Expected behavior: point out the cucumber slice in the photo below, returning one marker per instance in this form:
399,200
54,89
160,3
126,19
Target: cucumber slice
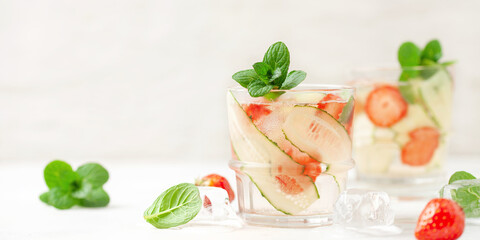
416,117
267,165
436,92
318,134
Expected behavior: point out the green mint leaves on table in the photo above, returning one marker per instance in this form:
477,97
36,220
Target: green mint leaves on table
176,206
271,73
68,188
468,197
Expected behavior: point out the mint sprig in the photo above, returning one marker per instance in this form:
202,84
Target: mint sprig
411,56
68,188
176,206
468,196
271,73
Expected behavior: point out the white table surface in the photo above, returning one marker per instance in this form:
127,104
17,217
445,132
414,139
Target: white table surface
134,185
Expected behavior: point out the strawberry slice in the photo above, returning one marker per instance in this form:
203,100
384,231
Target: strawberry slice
215,180
256,111
288,184
312,166
421,147
330,104
385,106
442,219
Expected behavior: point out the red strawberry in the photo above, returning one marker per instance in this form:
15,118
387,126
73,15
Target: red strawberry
256,111
442,219
312,166
421,147
385,106
288,184
215,180
329,104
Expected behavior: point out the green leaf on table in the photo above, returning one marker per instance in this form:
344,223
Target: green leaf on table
59,198
278,56
432,51
59,174
69,188
93,173
293,79
460,175
176,206
347,111
95,198
258,88
245,77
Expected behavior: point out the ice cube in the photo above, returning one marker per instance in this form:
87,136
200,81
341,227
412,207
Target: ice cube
465,193
365,211
216,209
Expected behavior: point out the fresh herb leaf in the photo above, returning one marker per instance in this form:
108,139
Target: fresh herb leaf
460,175
258,88
293,79
446,64
270,74
95,198
278,56
347,111
409,55
69,188
94,174
59,174
432,51
58,198
245,77
176,206
263,70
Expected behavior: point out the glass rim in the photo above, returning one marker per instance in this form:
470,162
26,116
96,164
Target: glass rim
305,88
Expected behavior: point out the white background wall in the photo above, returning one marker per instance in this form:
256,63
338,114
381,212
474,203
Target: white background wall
116,79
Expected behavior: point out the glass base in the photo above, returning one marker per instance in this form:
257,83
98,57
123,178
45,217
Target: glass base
413,186
288,221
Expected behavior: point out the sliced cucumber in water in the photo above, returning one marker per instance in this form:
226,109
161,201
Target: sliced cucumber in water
318,134
276,175
436,93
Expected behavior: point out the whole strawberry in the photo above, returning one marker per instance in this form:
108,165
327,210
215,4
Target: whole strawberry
215,180
442,219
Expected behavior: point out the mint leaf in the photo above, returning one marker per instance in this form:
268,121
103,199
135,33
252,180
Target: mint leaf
95,198
58,198
59,174
245,77
347,111
432,51
460,175
263,70
277,56
446,64
409,55
69,188
258,88
293,79
93,173
176,206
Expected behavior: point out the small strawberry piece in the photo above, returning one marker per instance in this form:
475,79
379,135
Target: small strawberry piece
421,147
442,219
256,111
206,202
215,180
288,184
330,104
385,106
312,166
